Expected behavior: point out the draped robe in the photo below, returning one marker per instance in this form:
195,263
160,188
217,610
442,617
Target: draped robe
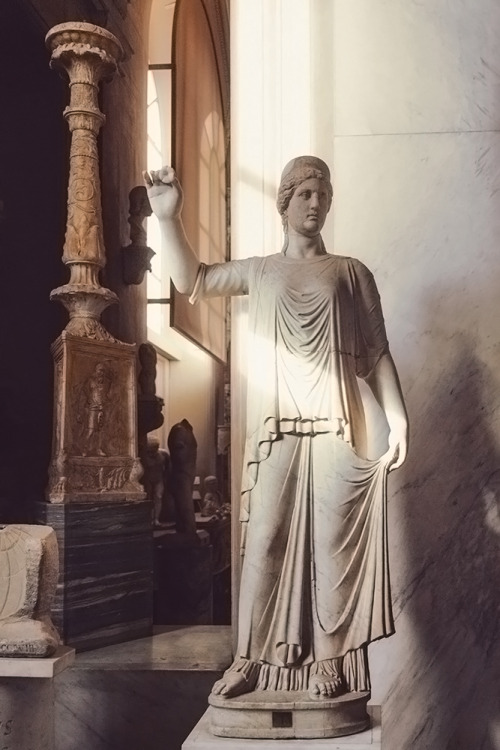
315,581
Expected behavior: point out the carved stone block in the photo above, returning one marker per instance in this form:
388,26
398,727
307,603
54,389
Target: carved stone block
28,576
94,453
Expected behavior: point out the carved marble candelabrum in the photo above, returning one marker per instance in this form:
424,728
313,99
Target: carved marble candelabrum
94,499
88,54
95,425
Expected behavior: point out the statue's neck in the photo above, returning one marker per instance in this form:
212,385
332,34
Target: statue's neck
300,246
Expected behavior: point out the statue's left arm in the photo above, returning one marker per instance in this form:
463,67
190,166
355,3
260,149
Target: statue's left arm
375,363
385,386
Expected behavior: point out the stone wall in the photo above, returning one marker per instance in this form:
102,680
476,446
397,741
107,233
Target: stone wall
417,177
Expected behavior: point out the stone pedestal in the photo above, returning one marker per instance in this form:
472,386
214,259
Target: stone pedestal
146,694
105,589
281,714
27,700
201,738
94,457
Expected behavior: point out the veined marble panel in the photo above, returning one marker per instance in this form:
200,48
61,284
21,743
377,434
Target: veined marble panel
105,589
146,694
129,710
423,212
416,66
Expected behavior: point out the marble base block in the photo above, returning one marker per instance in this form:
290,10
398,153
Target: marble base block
27,700
201,738
280,714
105,589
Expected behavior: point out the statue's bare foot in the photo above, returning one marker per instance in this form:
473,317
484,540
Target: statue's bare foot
323,686
232,684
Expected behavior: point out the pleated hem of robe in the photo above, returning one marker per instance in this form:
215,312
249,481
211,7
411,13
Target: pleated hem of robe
352,668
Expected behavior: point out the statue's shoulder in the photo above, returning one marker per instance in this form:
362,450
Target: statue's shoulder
354,265
261,261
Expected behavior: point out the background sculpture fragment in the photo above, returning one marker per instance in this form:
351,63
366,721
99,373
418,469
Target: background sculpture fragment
182,447
136,257
28,577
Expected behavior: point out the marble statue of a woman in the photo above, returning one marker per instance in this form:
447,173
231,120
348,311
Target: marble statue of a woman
315,586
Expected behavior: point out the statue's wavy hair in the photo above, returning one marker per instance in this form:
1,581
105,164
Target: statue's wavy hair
287,188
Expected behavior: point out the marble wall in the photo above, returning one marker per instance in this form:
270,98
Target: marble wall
417,177
148,693
404,102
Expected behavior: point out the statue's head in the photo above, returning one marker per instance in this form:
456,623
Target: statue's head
153,444
299,170
210,483
304,173
139,204
100,372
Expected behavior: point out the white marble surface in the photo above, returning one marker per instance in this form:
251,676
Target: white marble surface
415,66
45,667
423,212
27,704
173,648
202,739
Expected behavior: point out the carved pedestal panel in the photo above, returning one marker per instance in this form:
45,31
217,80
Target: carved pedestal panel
94,447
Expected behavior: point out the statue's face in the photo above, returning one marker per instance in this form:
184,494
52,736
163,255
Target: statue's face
308,208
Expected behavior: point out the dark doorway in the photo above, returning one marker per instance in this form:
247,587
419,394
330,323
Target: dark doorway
33,142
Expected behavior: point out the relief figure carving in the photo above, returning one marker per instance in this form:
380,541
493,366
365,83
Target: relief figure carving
94,409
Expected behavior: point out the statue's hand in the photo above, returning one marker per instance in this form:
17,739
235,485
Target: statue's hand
395,456
164,193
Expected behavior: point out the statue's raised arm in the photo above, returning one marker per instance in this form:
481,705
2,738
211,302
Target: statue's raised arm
166,198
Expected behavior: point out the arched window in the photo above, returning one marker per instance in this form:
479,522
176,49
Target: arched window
188,124
200,152
159,127
188,106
